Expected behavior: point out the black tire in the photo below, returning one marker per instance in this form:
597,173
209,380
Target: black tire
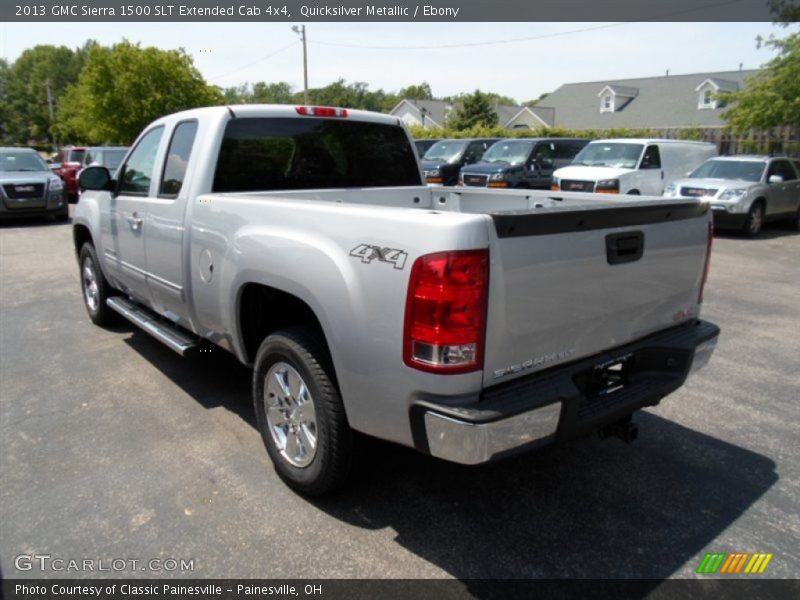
634,193
754,222
331,461
795,224
99,313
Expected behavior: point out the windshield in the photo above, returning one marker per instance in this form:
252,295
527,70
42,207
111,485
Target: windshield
76,155
512,152
447,151
602,154
21,161
744,170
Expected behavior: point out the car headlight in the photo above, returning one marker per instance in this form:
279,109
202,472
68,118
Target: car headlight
671,190
56,185
607,186
497,176
733,194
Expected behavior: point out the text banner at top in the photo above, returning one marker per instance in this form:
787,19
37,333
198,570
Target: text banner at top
391,11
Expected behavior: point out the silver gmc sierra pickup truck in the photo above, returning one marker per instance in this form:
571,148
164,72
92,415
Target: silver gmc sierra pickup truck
467,323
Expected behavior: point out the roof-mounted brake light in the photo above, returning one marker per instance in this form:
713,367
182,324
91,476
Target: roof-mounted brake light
321,111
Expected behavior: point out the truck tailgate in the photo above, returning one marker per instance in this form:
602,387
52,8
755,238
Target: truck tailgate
566,284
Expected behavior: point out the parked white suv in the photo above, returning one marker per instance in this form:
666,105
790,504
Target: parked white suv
745,191
631,166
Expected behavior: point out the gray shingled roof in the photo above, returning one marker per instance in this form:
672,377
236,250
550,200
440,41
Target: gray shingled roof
662,102
436,110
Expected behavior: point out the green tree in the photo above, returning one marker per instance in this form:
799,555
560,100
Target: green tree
475,109
785,11
123,88
272,93
771,98
340,93
493,97
421,91
4,114
27,82
536,101
259,93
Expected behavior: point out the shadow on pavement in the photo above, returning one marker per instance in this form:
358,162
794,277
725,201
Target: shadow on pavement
586,509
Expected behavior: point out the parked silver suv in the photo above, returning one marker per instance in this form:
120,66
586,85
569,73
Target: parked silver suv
746,191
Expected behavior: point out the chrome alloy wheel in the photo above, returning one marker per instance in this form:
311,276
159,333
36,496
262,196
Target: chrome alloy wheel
291,415
91,291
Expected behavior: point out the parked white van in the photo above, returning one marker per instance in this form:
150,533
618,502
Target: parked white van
631,166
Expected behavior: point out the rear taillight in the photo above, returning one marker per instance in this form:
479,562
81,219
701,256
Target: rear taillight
321,111
708,261
446,312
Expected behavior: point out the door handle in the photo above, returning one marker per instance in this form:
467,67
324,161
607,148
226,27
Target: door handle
134,221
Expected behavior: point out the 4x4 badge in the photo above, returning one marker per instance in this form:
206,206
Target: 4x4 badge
367,253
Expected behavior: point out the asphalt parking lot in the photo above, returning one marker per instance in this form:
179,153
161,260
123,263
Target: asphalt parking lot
112,446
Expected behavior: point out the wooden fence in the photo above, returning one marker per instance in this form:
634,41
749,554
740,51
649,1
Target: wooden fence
779,140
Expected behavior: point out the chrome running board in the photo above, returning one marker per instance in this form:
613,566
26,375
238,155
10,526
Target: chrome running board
170,336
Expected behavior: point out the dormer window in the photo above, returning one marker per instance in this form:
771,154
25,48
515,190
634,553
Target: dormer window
613,98
708,89
706,99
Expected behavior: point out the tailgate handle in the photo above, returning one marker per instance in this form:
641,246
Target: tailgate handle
624,247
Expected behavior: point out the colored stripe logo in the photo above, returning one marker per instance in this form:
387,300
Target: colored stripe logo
734,563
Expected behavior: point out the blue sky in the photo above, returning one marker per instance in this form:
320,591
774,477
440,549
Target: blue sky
232,53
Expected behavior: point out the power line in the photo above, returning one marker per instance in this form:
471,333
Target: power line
250,64
472,44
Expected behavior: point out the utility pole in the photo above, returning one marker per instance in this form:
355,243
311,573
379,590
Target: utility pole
301,31
50,107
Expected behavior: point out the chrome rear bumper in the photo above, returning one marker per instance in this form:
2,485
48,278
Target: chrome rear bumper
475,443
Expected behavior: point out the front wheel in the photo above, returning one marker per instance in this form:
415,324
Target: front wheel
96,290
754,221
300,413
796,221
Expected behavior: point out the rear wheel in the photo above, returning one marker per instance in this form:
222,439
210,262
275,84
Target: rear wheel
754,221
300,413
96,290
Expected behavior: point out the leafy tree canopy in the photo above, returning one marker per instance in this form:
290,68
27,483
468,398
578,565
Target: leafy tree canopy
25,88
123,88
475,109
772,97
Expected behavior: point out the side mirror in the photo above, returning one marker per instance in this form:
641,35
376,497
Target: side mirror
95,178
775,179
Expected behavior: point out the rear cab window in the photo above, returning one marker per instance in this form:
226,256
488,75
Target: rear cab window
271,153
177,159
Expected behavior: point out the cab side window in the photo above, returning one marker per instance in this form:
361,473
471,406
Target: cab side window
474,152
544,153
138,171
782,168
178,153
651,158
